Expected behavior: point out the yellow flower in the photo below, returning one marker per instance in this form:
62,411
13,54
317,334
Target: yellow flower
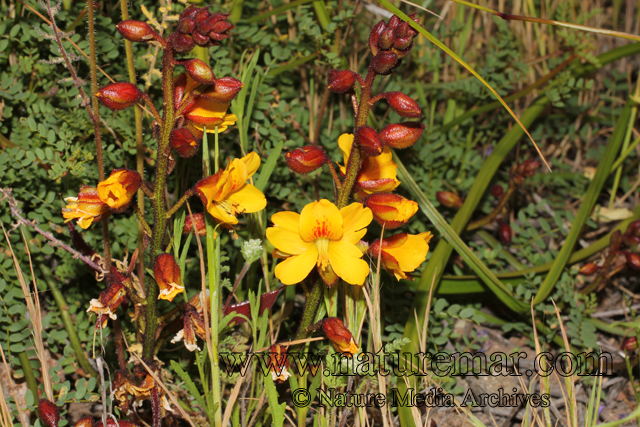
203,112
401,253
226,193
86,208
118,190
324,236
378,174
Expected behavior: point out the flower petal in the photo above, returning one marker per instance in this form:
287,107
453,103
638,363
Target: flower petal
220,214
248,199
295,269
345,142
345,259
355,219
411,254
320,219
287,220
379,167
287,241
252,162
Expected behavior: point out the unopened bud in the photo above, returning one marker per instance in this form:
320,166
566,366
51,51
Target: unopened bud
339,336
199,71
135,31
189,13
223,90
48,413
505,233
497,191
84,422
200,39
403,105
118,96
386,39
403,43
200,224
183,141
385,62
589,269
633,260
369,141
374,37
528,168
340,81
394,21
634,228
390,210
187,26
449,199
306,159
183,43
631,240
630,344
401,135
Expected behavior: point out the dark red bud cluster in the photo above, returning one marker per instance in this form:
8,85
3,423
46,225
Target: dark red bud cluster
505,233
341,81
118,96
369,141
198,26
306,159
395,36
524,170
385,62
449,199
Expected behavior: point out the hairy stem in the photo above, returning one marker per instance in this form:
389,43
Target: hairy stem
190,192
310,308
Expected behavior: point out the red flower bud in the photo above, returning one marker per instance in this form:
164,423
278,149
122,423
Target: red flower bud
183,43
634,228
374,36
113,423
199,220
189,13
528,168
497,191
369,141
394,21
403,43
449,199
403,105
505,233
390,210
187,26
386,39
401,135
633,260
340,81
84,422
339,336
118,96
48,413
223,90
200,39
630,344
306,159
202,15
135,31
588,269
631,240
183,141
385,62
199,71
220,26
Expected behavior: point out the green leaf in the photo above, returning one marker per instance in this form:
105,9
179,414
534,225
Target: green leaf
193,390
269,166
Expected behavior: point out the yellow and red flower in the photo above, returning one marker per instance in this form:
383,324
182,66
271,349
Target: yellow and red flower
200,111
377,174
86,208
118,190
402,253
193,323
226,194
340,337
391,210
278,363
167,274
107,304
323,236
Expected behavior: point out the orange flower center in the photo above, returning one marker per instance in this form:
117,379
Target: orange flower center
322,244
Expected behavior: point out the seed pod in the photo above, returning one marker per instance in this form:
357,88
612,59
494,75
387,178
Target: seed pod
374,36
505,233
630,344
385,62
340,81
135,31
633,260
199,71
449,199
306,159
183,43
589,269
118,96
497,191
223,90
183,141
401,135
369,141
48,413
200,223
403,105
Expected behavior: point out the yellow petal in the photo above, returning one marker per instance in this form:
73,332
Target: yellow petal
345,261
206,112
345,142
248,199
287,241
355,219
411,254
252,162
220,214
379,167
287,220
320,219
295,269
